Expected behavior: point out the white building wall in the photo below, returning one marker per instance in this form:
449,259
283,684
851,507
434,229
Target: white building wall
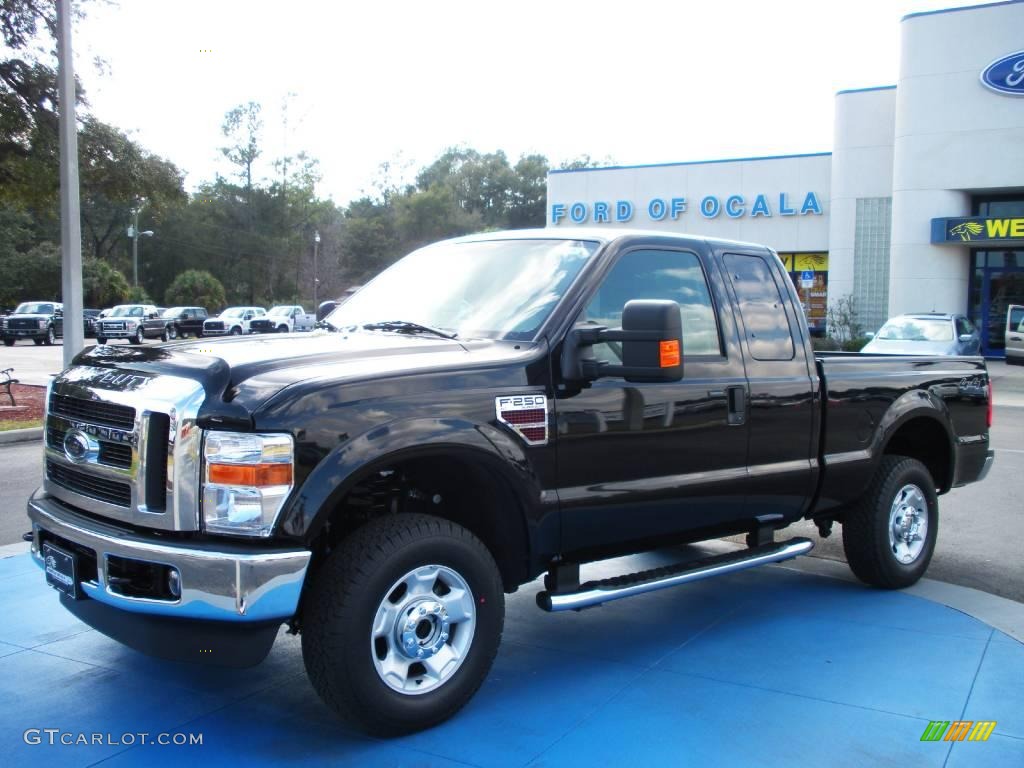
952,136
862,157
793,176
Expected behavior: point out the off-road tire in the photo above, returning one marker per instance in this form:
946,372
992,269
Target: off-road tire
866,526
339,609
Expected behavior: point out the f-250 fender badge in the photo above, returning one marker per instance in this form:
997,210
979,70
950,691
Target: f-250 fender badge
526,415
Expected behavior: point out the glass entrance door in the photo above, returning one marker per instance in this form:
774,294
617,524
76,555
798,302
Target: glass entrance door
1002,288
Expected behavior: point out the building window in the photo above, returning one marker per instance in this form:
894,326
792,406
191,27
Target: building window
871,261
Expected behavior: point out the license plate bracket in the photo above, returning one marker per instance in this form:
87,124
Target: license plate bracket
61,568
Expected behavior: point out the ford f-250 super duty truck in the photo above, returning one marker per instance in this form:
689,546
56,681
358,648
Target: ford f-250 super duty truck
487,410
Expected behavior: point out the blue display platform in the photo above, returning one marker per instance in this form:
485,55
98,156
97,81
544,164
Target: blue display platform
770,667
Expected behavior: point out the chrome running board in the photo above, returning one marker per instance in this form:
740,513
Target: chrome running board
618,587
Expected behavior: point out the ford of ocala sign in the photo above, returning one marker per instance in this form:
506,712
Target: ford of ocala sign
661,208
1005,75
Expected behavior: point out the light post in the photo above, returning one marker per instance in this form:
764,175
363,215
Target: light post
316,278
134,234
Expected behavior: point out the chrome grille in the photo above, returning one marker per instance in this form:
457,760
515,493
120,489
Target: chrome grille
110,491
140,463
93,411
112,454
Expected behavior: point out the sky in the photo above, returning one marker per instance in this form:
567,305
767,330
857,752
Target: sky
398,82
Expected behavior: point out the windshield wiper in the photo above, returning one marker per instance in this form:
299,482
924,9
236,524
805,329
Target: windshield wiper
404,326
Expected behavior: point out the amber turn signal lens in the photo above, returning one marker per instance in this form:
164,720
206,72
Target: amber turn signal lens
251,475
668,353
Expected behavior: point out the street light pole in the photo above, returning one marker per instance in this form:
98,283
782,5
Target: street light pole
70,221
316,273
134,234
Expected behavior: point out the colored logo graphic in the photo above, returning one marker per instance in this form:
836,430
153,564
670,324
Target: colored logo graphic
958,730
1005,75
966,230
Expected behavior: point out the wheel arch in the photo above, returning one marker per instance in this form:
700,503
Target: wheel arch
924,434
480,488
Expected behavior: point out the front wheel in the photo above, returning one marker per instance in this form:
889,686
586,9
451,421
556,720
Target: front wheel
402,622
51,337
170,332
8,342
282,329
101,340
236,331
889,537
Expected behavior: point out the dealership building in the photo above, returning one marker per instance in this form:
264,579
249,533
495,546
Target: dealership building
918,207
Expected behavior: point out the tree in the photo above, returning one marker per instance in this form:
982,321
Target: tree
196,287
30,275
102,285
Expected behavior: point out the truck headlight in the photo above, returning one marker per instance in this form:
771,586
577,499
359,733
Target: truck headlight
247,477
42,325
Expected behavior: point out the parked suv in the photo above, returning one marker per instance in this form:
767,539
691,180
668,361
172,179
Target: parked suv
233,321
284,318
134,322
41,321
184,321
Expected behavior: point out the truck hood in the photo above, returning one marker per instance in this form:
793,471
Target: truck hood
27,317
242,372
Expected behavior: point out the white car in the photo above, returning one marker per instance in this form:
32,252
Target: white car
284,318
1015,334
233,321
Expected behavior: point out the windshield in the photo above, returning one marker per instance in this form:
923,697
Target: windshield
916,329
280,311
126,311
233,312
502,289
34,308
173,311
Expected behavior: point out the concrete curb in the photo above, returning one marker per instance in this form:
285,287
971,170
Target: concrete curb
21,435
1002,613
13,550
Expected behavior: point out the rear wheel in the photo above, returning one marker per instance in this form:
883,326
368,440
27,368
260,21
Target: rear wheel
402,622
889,537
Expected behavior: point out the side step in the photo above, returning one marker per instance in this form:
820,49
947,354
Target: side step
618,587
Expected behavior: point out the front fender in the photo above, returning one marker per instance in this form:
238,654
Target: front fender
387,444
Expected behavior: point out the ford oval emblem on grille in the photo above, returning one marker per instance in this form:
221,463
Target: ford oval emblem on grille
79,447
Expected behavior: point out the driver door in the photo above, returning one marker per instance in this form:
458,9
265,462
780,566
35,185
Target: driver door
643,461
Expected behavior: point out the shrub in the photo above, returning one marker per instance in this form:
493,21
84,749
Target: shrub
196,287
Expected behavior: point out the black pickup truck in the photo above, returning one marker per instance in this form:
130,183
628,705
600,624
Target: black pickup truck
41,321
487,410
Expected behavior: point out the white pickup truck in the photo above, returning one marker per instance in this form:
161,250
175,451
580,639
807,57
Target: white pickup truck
284,318
232,321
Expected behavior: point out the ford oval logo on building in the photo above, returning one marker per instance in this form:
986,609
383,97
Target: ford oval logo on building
1005,75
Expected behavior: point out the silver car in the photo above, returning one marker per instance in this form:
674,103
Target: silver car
930,333
1015,335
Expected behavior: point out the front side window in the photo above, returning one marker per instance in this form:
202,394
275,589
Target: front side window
769,336
498,289
652,274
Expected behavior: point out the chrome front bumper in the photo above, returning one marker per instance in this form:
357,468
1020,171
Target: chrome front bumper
219,582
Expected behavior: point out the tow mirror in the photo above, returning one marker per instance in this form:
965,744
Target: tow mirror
652,345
